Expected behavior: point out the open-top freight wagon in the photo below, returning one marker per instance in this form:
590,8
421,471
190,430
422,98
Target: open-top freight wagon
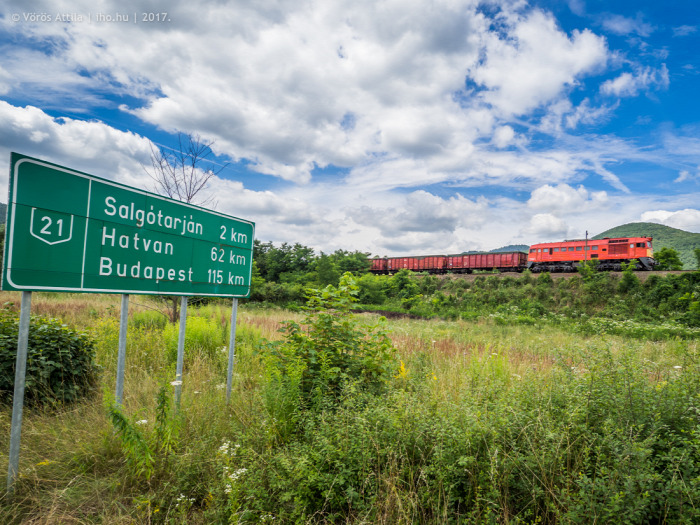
465,263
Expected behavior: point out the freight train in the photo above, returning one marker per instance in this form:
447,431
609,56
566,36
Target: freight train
563,256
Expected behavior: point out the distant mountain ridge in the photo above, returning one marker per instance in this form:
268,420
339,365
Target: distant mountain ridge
664,237
512,248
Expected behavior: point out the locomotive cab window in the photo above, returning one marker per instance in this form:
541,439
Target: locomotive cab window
594,247
640,245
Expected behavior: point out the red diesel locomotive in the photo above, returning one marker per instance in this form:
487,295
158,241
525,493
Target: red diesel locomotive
544,257
610,254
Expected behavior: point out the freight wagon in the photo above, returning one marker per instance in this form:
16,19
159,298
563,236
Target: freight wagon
503,261
465,263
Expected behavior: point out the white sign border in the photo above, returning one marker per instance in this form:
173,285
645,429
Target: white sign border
90,178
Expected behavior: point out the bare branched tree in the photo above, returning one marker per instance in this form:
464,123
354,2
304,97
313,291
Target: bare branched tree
179,174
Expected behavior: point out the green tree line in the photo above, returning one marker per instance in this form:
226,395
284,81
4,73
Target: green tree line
283,274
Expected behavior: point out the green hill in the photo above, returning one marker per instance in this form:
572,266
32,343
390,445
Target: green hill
664,237
512,248
504,249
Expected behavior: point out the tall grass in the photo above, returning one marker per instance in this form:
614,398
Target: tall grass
482,422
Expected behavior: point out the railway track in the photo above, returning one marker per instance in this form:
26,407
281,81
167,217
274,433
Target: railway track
643,276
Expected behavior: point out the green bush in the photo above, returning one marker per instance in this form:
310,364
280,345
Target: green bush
544,279
328,354
372,289
60,361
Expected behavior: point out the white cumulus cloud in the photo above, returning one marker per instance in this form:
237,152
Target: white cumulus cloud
545,226
565,199
543,59
687,219
630,84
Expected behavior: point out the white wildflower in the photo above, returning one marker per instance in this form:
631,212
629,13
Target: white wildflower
142,422
176,383
237,474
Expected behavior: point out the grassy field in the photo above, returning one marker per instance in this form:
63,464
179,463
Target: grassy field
480,422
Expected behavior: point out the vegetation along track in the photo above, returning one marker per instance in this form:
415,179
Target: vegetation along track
556,275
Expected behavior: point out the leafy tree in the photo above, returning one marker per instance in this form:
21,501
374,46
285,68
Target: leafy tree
257,284
667,259
326,271
261,257
696,252
286,263
355,262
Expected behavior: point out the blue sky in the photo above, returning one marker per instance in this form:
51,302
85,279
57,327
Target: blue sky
383,126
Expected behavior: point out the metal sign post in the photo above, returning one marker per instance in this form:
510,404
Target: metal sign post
231,349
121,355
180,352
18,398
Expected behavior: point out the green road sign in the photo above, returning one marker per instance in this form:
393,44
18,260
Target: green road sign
73,232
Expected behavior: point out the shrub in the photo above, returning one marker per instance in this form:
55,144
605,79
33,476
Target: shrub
629,281
329,353
544,279
372,289
60,361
